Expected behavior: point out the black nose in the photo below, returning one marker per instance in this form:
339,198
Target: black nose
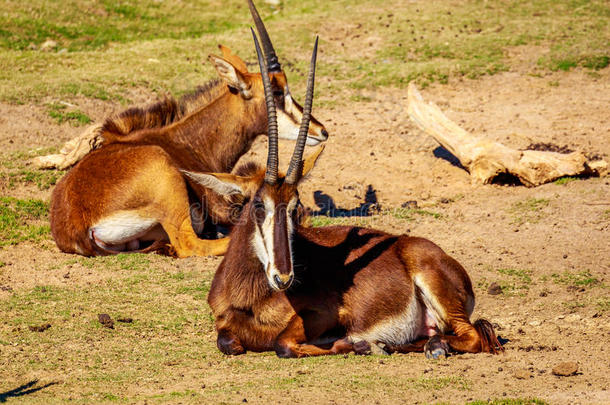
282,285
324,133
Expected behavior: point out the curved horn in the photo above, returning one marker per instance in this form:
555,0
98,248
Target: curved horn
296,163
272,62
272,159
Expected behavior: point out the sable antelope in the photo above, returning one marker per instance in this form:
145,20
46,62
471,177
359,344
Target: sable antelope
130,195
290,289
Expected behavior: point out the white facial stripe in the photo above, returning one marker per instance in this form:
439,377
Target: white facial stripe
288,128
263,239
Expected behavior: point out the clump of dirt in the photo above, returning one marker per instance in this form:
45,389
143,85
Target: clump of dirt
494,289
106,321
565,369
40,328
125,320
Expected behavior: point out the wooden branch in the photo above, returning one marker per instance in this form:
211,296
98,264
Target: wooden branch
73,151
486,159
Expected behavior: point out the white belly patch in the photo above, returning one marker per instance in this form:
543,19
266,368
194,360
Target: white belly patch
399,329
122,227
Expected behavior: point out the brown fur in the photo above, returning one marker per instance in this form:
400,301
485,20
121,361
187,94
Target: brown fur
161,113
138,170
347,282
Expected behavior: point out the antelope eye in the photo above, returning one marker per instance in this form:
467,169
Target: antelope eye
258,205
278,93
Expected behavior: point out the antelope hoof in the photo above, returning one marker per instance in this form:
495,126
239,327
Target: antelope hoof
362,348
284,352
435,348
229,345
379,349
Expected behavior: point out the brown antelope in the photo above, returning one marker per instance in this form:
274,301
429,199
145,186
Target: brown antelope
318,291
130,195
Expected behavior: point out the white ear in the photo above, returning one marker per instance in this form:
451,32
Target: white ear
231,75
221,183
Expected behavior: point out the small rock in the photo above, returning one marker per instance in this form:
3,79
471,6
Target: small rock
494,289
48,45
411,204
565,369
6,288
67,275
40,328
106,321
125,320
535,323
522,374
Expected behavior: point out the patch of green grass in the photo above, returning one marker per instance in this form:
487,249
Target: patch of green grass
410,213
22,220
596,62
323,220
583,278
565,180
60,115
528,210
122,261
78,25
518,283
43,179
573,305
509,401
439,383
17,171
603,304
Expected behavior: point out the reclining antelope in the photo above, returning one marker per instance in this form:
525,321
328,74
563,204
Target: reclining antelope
318,291
130,195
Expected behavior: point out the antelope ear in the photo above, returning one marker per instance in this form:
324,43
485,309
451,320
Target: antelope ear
225,184
310,161
231,74
235,60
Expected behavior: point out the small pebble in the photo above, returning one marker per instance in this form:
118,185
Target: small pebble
494,289
522,374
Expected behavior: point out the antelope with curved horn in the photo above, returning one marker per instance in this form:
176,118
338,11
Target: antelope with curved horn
130,195
319,291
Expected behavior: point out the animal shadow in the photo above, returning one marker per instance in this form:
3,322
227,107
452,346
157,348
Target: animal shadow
327,207
25,389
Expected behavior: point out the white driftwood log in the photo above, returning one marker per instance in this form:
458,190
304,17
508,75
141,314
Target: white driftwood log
485,159
73,150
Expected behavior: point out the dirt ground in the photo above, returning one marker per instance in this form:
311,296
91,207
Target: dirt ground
547,247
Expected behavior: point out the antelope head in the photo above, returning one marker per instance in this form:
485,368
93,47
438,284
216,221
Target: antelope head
270,215
246,85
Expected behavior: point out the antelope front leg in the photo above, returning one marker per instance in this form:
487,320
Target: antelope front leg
291,342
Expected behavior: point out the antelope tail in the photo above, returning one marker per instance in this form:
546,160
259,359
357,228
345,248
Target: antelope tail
489,340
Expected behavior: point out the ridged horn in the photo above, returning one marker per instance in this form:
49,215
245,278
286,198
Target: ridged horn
295,169
273,65
272,159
